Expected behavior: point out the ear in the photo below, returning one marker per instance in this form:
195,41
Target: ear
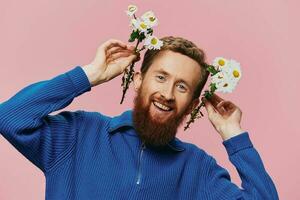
193,105
137,80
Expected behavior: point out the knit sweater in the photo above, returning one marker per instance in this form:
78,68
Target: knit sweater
88,155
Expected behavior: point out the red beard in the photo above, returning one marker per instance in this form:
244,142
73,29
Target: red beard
151,132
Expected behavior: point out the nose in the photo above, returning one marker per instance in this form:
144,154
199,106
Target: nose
167,92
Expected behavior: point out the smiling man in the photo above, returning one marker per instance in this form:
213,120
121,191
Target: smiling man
164,98
135,155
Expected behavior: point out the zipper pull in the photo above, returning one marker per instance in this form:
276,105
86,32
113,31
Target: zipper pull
143,145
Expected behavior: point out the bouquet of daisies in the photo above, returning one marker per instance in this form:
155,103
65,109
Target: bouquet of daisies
225,74
142,30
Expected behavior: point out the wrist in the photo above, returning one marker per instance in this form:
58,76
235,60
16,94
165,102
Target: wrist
93,74
230,131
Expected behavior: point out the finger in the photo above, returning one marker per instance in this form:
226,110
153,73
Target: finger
215,99
221,107
113,42
130,47
228,106
125,55
112,45
209,107
115,49
222,104
120,54
130,59
138,56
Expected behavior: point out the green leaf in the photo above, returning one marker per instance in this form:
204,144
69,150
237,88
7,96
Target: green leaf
142,37
208,94
212,70
133,36
213,87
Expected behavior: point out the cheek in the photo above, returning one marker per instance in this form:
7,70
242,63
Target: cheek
152,84
182,103
147,94
151,89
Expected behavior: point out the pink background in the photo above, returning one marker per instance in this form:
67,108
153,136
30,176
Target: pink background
42,39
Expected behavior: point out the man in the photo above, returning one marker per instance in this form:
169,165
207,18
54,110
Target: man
87,155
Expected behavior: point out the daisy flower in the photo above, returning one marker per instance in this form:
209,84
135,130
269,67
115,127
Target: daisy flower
141,25
134,24
234,70
131,10
150,19
228,76
223,82
221,63
152,42
226,85
219,77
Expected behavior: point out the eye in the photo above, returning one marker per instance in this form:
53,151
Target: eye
160,78
182,87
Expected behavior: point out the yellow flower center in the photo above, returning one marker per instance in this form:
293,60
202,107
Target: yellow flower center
152,19
153,41
221,62
236,73
143,25
131,8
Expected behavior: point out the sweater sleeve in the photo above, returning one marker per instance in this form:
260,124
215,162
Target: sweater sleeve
25,121
256,183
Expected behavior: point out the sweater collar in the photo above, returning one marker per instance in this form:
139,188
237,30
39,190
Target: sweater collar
125,120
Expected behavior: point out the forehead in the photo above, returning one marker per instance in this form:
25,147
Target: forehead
176,65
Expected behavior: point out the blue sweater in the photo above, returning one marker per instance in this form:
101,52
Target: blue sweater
88,155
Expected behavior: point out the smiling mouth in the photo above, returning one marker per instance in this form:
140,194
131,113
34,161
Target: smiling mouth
162,107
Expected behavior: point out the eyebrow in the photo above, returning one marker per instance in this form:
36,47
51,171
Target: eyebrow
167,74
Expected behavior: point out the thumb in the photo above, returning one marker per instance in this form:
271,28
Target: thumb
209,107
132,58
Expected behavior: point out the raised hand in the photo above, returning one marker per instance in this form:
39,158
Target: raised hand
224,115
112,58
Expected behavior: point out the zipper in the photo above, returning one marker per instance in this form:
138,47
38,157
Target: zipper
139,164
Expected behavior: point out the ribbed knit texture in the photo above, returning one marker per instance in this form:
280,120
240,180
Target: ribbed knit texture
88,155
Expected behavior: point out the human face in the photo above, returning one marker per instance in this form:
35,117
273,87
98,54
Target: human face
171,81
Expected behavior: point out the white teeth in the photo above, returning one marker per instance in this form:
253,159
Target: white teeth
162,106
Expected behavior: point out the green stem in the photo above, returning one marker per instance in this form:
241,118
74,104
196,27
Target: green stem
129,76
